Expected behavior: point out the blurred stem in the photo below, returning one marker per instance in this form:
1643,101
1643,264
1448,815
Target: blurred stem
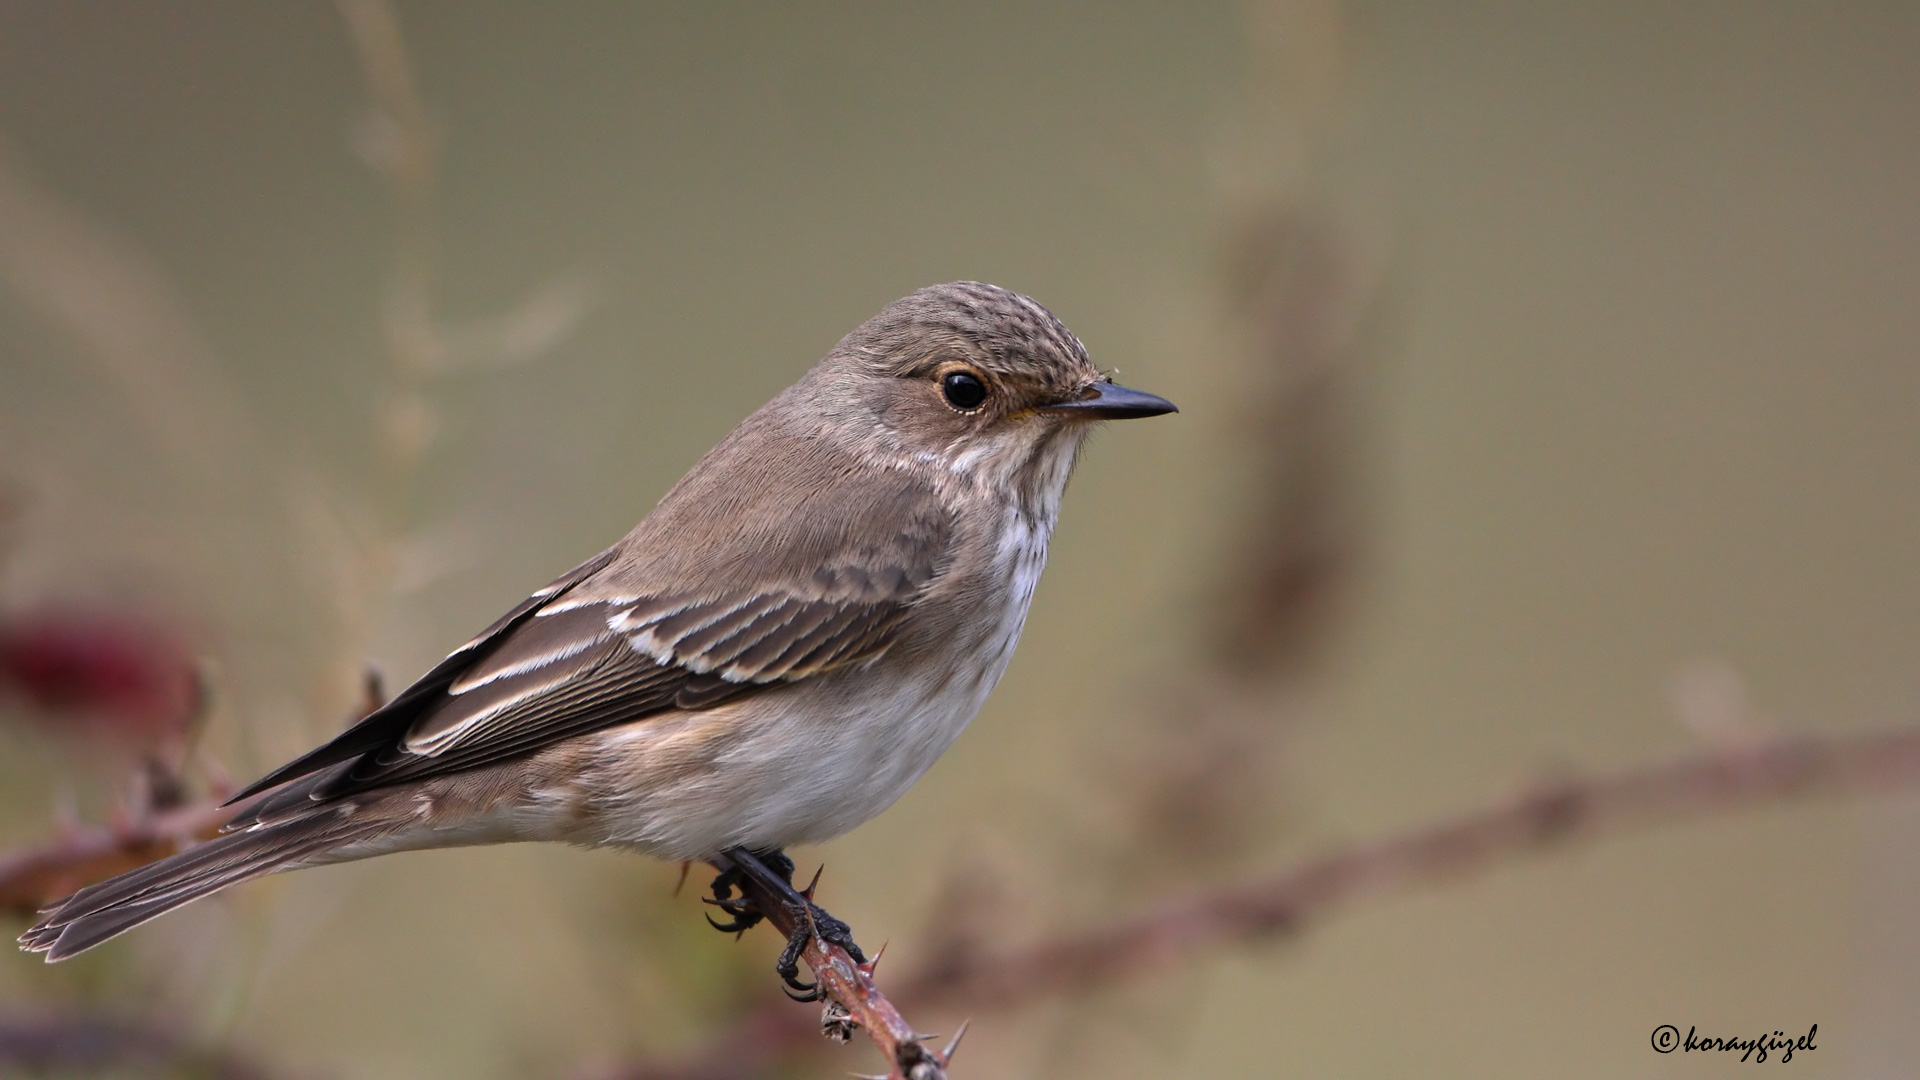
87,1044
399,141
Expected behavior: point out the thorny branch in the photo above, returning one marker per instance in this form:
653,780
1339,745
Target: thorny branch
1541,818
854,1000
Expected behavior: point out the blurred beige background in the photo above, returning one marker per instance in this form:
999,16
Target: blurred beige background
1630,341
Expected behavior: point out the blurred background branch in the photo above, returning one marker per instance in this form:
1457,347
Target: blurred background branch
79,1044
34,877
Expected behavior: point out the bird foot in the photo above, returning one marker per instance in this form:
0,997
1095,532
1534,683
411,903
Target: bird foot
773,872
810,922
745,914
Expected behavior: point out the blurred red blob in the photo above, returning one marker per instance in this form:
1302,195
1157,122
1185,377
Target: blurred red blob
111,673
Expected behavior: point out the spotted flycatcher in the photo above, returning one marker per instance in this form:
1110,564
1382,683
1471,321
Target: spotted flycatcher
783,646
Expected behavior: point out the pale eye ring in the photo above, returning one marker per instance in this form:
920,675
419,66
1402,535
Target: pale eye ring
963,390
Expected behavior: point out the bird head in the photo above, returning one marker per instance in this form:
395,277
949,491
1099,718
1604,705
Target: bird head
979,379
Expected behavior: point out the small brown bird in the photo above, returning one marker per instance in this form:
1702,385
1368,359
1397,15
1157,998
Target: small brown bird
773,656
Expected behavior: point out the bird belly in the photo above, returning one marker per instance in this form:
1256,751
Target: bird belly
800,764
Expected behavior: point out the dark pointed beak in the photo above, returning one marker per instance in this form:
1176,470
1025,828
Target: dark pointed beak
1111,401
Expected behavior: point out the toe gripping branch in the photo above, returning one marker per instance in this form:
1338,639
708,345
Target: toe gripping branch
758,878
843,975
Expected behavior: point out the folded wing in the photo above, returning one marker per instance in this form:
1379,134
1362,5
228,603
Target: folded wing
585,654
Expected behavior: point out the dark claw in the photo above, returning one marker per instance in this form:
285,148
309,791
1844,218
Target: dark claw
745,915
788,966
735,926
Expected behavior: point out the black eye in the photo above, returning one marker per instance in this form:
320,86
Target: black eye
963,390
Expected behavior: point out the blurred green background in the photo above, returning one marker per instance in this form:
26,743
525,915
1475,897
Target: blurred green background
1610,372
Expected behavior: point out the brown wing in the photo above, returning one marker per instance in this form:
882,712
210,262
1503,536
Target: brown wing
586,653
379,727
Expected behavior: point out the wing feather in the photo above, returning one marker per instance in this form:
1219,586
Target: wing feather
380,727
734,626
604,645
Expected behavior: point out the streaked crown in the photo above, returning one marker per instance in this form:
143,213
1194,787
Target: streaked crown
969,373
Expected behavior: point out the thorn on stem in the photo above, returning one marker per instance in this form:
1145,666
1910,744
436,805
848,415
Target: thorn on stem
873,965
946,1056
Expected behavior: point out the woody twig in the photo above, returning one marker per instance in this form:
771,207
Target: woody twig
853,999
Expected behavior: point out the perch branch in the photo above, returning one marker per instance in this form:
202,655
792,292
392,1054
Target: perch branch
1541,818
853,999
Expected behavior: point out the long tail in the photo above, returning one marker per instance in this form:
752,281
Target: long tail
256,849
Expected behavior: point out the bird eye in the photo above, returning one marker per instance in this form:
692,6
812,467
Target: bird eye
963,390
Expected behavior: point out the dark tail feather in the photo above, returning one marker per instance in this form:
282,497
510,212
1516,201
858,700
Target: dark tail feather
114,906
